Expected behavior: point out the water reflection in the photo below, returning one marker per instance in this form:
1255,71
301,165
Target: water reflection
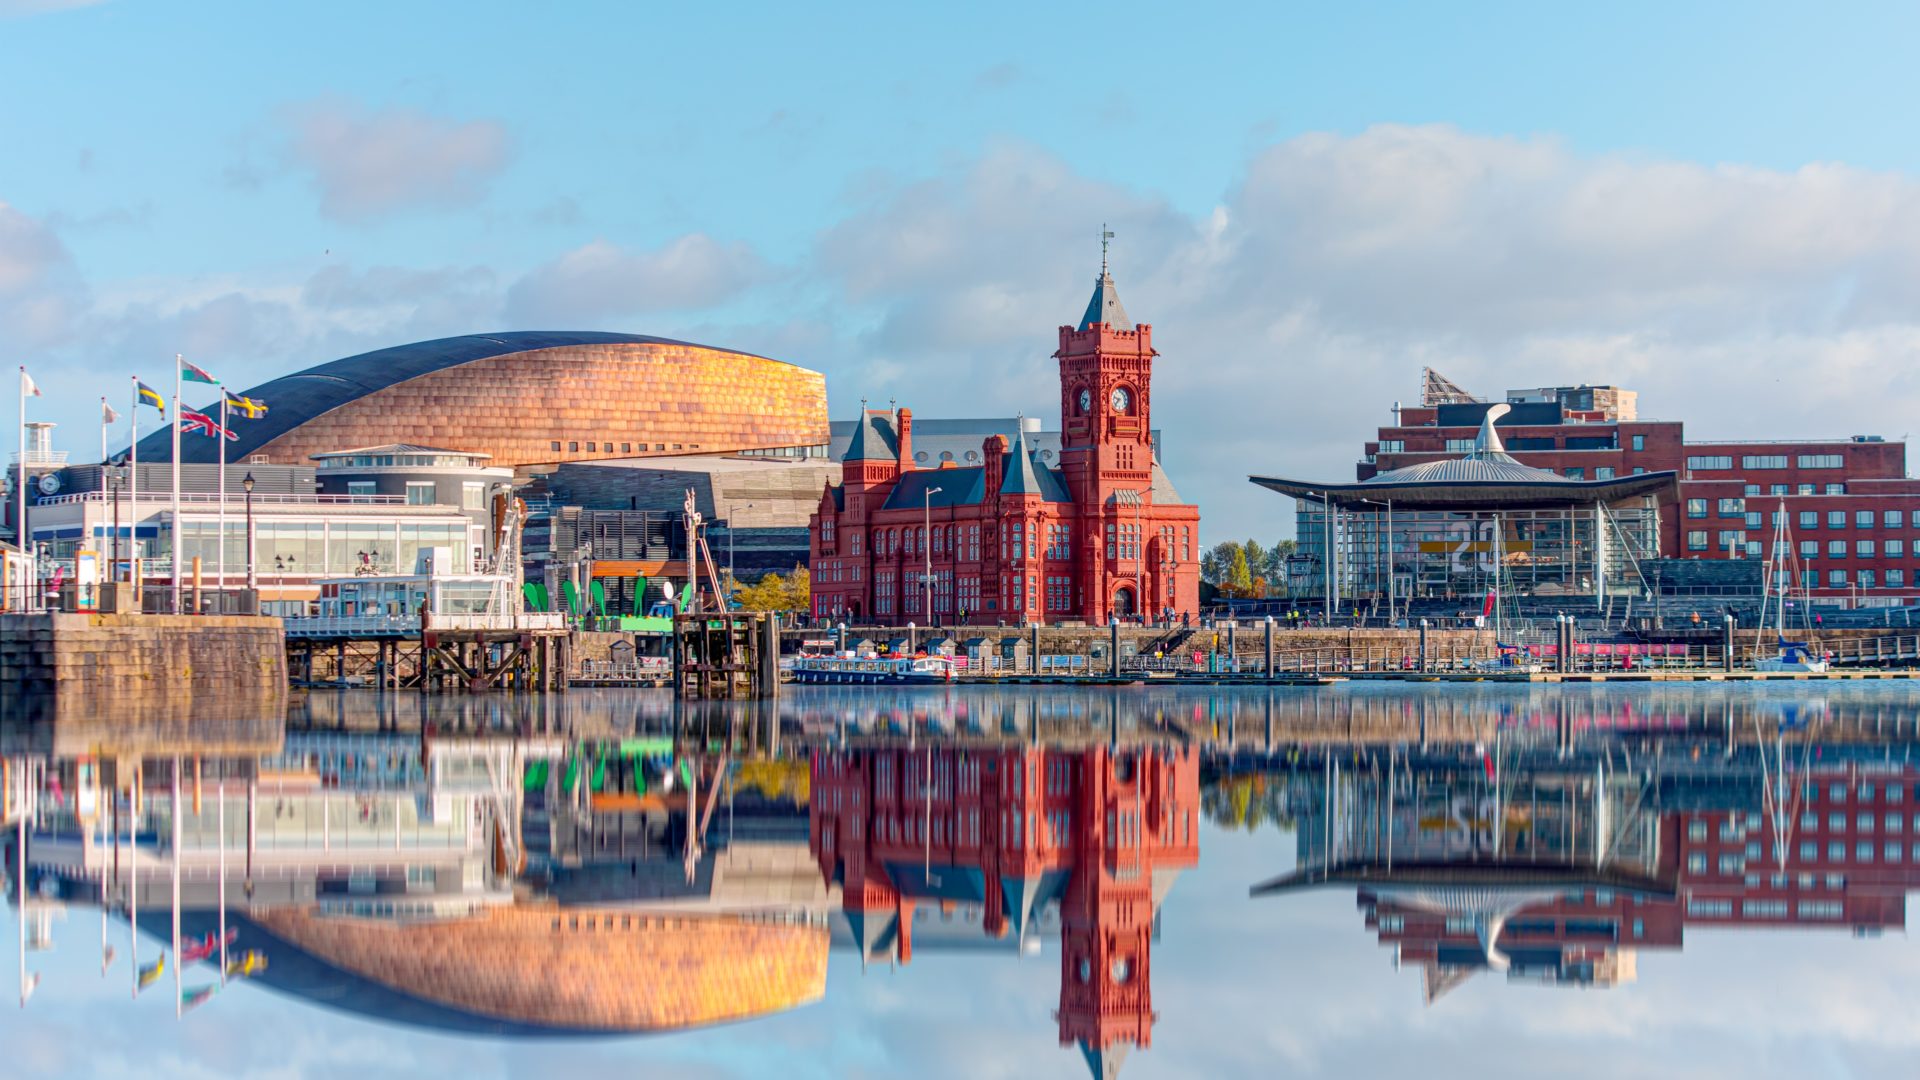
610,863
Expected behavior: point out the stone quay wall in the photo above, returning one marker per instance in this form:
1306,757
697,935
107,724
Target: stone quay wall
236,657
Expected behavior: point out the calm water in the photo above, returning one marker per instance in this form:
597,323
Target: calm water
1471,881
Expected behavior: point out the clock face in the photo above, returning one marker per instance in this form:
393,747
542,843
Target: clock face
1086,399
50,484
1119,399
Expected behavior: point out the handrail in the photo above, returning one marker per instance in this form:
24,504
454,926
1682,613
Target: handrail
162,497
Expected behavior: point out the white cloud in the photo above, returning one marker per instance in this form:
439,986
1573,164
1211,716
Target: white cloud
370,163
1747,302
601,281
40,291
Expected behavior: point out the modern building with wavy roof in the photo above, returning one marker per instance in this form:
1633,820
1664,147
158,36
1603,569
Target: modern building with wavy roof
528,397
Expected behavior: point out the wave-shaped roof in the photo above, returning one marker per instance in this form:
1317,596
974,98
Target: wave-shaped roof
294,399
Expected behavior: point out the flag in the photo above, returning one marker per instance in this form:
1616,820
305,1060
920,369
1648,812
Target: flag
107,415
27,388
1486,609
196,374
204,424
197,996
152,397
254,409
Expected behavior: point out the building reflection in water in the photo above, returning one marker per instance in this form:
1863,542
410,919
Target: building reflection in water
1000,840
602,863
1557,864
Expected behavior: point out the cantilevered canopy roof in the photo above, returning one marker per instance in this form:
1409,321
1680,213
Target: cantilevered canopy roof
1487,478
1467,879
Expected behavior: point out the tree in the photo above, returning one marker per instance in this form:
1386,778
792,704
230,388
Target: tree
1240,578
1274,568
793,592
1216,563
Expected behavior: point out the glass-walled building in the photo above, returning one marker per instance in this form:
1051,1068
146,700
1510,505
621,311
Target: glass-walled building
1462,528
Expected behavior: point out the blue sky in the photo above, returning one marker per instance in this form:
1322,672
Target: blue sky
1716,204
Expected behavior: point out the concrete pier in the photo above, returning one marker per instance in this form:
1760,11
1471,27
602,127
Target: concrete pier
50,660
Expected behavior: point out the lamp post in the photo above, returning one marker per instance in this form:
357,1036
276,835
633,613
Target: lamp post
253,582
113,485
926,548
731,580
1389,548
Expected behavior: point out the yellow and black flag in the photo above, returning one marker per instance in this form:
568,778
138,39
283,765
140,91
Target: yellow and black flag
149,396
253,410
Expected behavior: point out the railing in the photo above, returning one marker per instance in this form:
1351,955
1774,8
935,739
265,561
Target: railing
409,625
640,669
149,497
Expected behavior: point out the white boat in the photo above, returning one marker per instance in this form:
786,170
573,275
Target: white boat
873,669
1793,656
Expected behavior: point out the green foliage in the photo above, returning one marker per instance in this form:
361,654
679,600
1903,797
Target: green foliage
775,592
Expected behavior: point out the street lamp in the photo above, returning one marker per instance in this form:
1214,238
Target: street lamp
732,580
1389,546
253,583
926,548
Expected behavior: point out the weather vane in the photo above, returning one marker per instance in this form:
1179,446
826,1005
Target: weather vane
1106,236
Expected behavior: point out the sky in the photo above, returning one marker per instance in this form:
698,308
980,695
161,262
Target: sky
1715,204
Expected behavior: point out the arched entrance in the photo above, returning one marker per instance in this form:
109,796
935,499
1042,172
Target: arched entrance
1123,602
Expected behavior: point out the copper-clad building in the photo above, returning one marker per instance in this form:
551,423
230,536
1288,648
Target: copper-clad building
531,397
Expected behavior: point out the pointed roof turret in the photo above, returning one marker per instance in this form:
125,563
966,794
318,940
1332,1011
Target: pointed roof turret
866,446
1020,478
1104,1062
1105,305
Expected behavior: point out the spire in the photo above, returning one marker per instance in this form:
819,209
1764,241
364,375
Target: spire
1020,478
1105,305
1104,1062
1487,444
862,447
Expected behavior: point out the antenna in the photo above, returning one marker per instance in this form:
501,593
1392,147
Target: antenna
1106,236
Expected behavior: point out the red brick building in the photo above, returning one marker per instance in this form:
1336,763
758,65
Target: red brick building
1100,534
1008,832
1853,512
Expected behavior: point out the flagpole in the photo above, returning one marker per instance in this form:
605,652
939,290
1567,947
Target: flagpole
221,438
103,431
133,500
20,489
177,553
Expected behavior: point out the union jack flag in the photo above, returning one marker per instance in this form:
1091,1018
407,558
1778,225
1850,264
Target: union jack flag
204,424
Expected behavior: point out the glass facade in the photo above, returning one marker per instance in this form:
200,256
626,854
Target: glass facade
1447,554
338,548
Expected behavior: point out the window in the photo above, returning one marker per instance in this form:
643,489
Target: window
1639,442
1393,446
1892,519
1896,549
1697,830
1836,519
1819,461
1803,489
1709,909
1836,852
1896,579
1863,519
1891,853
1732,507
1696,508
1697,540
1863,548
1639,470
1863,851
1809,578
1764,461
1776,489
626,448
1459,446
473,496
1836,549
1577,474
1731,865
1837,579
1753,519
1809,851
1916,519
1809,548
555,447
359,488
1752,490
1603,472
1809,519
1867,579
1732,540
1835,489
1697,863
1709,462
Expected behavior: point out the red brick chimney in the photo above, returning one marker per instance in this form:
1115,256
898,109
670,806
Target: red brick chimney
903,423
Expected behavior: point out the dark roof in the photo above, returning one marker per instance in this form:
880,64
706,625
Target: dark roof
1105,306
293,400
1486,877
1019,478
1475,494
963,487
874,438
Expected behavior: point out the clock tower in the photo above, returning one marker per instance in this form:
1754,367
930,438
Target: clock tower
1106,448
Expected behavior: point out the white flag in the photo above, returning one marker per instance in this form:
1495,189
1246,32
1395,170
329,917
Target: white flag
26,384
107,415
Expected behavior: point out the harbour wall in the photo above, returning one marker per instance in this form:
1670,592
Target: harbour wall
54,664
